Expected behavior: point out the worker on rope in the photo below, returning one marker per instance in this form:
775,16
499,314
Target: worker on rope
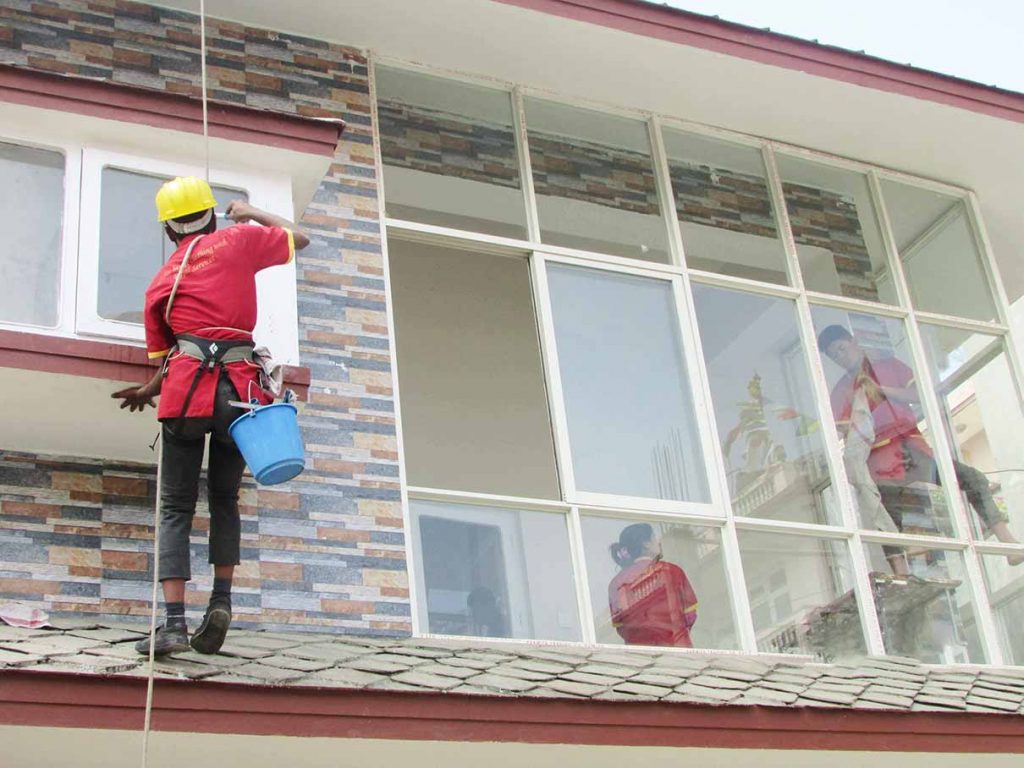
200,311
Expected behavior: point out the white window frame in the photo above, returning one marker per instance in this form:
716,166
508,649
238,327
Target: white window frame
271,193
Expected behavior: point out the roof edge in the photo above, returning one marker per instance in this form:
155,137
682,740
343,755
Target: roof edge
695,30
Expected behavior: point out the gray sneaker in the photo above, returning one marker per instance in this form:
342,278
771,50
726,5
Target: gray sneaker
211,633
172,639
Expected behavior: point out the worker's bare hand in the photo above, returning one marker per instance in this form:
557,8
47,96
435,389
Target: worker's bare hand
240,211
135,398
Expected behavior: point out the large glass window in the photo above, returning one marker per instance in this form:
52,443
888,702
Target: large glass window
724,208
937,247
625,385
801,595
1005,583
594,182
888,452
656,583
474,409
31,215
449,154
764,408
836,231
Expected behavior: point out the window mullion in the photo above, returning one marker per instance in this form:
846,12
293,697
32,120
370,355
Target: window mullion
663,180
525,166
979,595
782,223
579,568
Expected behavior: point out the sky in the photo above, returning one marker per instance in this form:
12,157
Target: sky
980,40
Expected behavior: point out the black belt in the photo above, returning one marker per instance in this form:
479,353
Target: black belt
212,354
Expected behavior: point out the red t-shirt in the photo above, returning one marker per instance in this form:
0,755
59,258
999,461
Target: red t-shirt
895,421
652,603
216,299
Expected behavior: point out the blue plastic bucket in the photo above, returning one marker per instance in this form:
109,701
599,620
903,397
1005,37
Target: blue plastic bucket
270,440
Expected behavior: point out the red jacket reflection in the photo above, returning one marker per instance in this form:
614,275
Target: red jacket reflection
652,603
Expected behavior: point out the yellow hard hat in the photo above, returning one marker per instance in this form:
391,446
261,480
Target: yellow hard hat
182,196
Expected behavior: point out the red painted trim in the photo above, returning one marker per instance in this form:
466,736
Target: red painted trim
131,104
686,28
99,359
82,701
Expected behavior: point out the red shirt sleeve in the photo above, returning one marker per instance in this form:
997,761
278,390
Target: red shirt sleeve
265,246
159,337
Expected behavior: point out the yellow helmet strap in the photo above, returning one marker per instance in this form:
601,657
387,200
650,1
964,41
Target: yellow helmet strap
188,227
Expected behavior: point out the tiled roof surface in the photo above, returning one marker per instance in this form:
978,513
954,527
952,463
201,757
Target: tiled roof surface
495,669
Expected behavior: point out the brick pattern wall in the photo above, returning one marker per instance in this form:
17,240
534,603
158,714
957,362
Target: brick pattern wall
328,549
444,143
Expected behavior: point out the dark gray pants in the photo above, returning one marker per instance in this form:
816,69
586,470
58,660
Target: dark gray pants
182,443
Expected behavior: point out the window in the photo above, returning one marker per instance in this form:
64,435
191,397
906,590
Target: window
755,433
32,218
122,245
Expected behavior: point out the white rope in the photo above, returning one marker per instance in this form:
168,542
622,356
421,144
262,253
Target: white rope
160,455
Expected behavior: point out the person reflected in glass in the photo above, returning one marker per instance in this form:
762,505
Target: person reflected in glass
651,601
898,453
487,619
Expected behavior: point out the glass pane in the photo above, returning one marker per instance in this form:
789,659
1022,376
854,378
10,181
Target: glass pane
449,154
801,595
594,182
876,402
658,584
985,426
1006,594
937,247
836,231
924,605
725,209
624,380
494,572
474,407
764,408
133,245
31,214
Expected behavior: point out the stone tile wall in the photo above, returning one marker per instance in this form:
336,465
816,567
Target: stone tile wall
328,549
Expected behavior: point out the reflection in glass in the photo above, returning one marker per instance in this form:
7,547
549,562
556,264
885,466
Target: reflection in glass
133,245
449,154
657,584
940,257
876,402
31,214
594,182
801,595
725,210
494,572
836,231
927,612
474,407
1006,595
982,416
767,423
632,427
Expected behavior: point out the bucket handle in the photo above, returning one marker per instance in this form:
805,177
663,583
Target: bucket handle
253,404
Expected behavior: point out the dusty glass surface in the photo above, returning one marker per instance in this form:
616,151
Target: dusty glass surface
494,572
133,245
31,215
594,182
768,426
1005,581
656,583
449,154
724,208
801,595
924,604
940,256
628,403
836,230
